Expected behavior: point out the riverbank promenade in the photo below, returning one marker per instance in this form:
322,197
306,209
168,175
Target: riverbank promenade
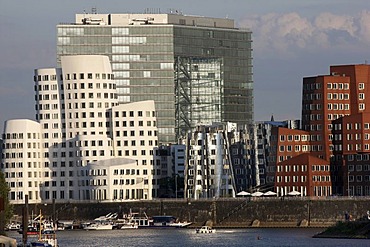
240,212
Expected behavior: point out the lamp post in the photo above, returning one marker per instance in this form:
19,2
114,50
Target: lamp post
348,191
121,188
176,186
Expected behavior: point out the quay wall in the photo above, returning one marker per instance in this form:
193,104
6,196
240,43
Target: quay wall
239,212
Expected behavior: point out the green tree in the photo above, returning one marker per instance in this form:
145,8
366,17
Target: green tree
4,192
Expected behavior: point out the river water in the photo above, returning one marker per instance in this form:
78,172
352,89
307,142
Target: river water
188,237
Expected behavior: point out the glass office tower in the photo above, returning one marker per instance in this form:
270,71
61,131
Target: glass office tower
198,70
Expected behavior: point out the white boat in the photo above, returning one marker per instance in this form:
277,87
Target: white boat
168,221
180,224
104,222
128,225
13,226
110,216
64,224
205,229
99,226
141,221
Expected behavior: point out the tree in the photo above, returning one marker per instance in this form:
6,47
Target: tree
4,192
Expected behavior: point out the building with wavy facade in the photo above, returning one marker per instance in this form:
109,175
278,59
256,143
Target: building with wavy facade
84,145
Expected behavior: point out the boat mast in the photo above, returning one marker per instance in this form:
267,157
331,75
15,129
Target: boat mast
40,226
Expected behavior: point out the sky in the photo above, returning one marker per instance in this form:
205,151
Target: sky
292,39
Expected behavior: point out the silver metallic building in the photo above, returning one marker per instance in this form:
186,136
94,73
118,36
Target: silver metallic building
198,70
210,172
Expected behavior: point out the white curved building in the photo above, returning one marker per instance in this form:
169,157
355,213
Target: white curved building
81,123
22,161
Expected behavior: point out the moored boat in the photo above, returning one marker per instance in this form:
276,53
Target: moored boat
180,224
13,226
140,221
128,225
31,230
168,221
99,226
46,239
47,236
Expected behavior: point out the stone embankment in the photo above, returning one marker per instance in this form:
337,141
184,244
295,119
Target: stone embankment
359,229
225,213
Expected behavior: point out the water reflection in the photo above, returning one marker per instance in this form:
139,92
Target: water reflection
188,237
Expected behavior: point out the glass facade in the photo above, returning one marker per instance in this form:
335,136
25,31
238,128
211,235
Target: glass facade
199,88
145,65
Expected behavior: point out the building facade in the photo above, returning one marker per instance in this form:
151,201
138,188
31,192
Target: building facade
262,151
169,167
209,172
328,97
198,70
305,174
22,164
328,102
79,123
351,140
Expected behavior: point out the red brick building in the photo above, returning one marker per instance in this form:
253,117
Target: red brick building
337,99
342,95
357,182
352,148
295,168
308,175
328,97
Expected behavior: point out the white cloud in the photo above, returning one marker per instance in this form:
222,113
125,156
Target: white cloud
289,32
329,21
364,25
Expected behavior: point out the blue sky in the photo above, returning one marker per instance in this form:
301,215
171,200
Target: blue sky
292,39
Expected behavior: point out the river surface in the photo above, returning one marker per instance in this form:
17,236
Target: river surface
188,237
